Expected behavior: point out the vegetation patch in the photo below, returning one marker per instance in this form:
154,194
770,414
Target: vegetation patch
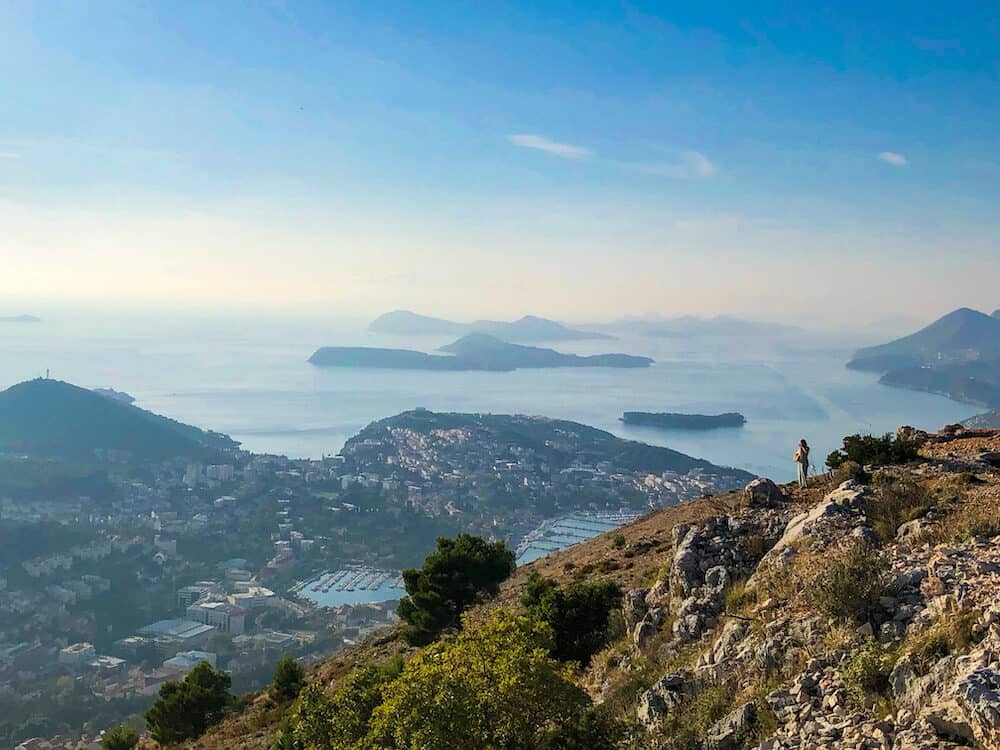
874,450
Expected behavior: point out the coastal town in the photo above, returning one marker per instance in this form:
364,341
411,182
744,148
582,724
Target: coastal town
132,573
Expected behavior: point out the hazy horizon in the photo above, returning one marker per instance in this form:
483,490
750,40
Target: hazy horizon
832,169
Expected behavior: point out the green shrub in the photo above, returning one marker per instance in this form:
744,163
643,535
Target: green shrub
874,450
580,617
618,541
867,671
289,679
848,585
950,634
896,500
121,737
455,576
184,710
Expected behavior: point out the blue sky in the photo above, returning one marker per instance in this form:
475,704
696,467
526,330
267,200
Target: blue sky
578,160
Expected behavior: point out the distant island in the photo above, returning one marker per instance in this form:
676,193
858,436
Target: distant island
20,319
675,421
527,329
957,356
476,351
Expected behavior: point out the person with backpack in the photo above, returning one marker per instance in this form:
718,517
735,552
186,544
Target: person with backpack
801,458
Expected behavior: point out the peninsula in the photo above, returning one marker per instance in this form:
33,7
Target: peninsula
957,356
675,421
477,351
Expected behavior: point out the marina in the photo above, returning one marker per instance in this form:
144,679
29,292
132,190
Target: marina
353,584
559,533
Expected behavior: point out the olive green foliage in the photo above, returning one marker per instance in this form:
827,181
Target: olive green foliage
494,685
849,583
952,633
580,617
874,450
289,678
896,500
618,541
595,729
455,576
867,672
186,709
121,737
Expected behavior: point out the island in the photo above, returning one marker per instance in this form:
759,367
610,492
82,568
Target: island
957,356
529,328
674,421
476,351
20,319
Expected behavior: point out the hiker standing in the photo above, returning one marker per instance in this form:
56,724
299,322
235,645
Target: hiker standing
801,458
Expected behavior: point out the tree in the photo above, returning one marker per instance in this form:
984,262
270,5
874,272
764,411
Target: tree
289,679
494,686
580,617
341,721
121,737
874,450
184,710
456,575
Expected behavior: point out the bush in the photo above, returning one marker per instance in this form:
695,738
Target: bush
456,575
618,542
850,583
848,470
895,501
951,634
580,617
874,450
867,671
289,679
493,686
594,730
184,710
121,737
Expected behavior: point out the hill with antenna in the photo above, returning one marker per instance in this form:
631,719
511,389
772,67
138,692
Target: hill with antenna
54,419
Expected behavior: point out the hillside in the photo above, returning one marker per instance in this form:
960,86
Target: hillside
959,336
847,615
988,420
976,382
50,418
529,328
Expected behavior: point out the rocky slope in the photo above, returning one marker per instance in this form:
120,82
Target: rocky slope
863,612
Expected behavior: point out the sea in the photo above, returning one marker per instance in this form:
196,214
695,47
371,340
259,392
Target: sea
250,378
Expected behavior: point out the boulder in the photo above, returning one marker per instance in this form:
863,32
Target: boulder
762,491
729,732
847,499
661,698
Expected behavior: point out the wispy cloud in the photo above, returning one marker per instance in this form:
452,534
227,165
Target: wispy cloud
9,155
891,157
688,165
541,143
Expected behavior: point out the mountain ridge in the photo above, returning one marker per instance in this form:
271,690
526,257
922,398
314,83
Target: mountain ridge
528,328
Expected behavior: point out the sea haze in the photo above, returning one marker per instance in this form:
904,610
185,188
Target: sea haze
250,379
